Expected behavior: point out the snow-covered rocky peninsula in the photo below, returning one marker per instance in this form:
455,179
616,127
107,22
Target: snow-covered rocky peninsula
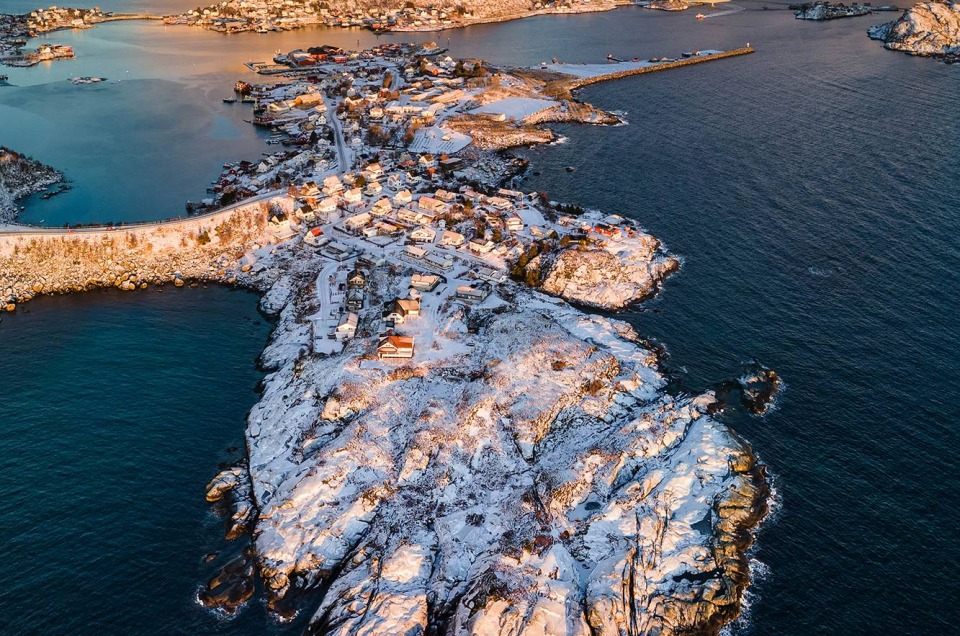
929,29
446,442
498,463
21,176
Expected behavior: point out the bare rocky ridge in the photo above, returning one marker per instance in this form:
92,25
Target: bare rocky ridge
21,176
930,29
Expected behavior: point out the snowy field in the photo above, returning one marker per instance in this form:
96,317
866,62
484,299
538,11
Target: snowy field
515,107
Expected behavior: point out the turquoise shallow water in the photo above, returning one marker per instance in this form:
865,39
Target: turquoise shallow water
813,189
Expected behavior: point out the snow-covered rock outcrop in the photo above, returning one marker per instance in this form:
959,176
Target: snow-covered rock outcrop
927,29
613,276
525,473
19,177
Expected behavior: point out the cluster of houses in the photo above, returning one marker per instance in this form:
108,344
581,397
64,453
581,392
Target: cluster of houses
235,16
16,29
45,20
426,223
395,312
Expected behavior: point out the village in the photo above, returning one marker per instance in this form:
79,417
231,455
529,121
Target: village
15,30
382,193
262,16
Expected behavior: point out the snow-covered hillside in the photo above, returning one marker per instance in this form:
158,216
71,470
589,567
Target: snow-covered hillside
524,473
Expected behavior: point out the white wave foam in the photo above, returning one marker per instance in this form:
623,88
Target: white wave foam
219,614
760,572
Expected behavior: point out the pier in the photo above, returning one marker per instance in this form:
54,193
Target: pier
593,73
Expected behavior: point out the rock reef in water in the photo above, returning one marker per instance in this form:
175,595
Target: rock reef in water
525,473
21,176
929,29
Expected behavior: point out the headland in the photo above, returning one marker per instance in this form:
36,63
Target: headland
445,440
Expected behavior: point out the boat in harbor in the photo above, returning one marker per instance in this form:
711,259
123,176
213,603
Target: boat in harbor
229,100
4,79
249,100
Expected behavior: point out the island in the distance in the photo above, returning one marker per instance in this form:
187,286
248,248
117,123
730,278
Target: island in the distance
446,440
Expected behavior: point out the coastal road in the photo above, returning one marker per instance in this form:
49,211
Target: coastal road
337,135
28,230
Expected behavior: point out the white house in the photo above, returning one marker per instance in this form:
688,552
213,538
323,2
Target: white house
439,261
481,246
332,185
373,172
381,207
328,205
454,239
403,197
391,346
514,223
353,196
424,282
357,221
423,234
348,327
434,206
395,181
414,252
473,293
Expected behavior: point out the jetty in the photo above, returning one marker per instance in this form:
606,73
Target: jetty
580,75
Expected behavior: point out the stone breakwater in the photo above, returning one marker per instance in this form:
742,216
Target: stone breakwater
663,66
208,249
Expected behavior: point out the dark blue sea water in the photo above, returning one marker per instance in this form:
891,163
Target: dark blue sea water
117,409
813,189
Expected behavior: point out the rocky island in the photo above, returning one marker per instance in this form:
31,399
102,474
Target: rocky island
446,441
928,29
830,11
21,176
